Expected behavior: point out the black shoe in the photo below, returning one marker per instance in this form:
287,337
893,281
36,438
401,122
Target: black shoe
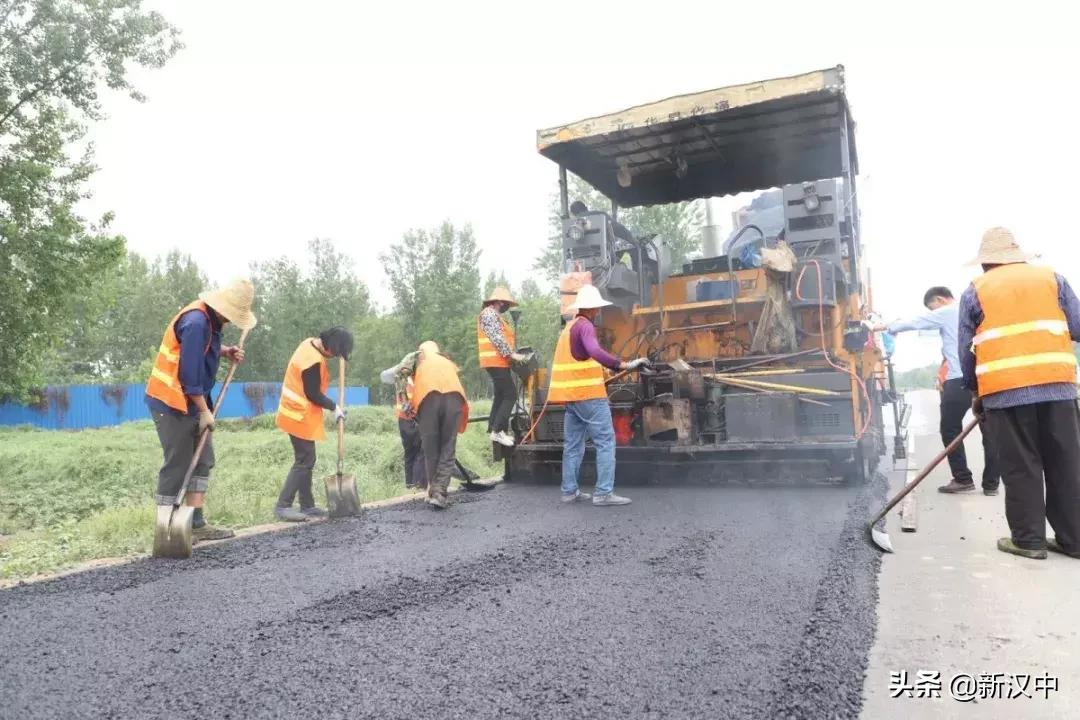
1054,546
955,486
990,491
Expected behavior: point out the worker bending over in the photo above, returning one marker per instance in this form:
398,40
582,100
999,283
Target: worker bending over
409,430
300,414
497,346
1017,326
942,314
178,394
442,412
577,383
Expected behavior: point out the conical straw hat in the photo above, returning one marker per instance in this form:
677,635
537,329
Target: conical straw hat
501,294
999,247
233,302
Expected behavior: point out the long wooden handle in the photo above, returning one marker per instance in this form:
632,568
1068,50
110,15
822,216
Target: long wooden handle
205,435
926,470
341,423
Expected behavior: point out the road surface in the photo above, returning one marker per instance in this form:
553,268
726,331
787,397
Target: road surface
694,601
951,604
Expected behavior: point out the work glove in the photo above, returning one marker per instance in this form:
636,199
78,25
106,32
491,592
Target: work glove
206,420
519,358
339,414
977,409
638,363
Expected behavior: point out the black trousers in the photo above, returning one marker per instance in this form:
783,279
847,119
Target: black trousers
955,402
415,472
503,403
1037,444
439,417
298,481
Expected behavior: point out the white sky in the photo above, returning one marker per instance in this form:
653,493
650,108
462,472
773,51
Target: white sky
285,121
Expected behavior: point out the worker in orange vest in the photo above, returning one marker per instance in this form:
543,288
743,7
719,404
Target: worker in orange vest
497,344
1017,326
300,414
178,393
442,412
409,430
577,383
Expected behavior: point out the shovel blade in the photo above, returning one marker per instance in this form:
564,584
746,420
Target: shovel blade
342,498
881,539
172,532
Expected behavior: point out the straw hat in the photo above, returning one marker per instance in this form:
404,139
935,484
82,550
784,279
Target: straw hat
429,346
588,298
501,294
233,302
999,247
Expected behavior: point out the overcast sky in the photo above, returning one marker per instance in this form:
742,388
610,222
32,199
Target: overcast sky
285,121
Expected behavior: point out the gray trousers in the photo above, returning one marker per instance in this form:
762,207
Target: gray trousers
179,434
298,481
439,416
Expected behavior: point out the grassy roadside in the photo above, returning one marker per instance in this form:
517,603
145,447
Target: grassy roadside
68,497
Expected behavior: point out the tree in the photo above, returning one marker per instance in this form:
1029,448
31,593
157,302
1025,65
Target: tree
539,325
677,226
434,277
54,55
493,281
293,304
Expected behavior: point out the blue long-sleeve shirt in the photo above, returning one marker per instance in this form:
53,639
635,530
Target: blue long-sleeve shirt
946,320
198,369
971,316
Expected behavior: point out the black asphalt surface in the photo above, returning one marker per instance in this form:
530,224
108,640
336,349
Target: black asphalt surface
694,602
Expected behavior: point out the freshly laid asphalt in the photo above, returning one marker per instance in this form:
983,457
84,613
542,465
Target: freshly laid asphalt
694,602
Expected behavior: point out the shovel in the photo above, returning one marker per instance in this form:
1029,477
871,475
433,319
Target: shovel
342,499
881,537
172,528
469,478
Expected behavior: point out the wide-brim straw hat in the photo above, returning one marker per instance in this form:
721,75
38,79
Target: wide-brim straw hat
999,247
429,346
501,294
233,302
589,298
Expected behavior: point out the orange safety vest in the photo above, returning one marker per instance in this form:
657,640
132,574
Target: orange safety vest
437,373
489,354
297,415
573,380
1024,338
405,400
164,382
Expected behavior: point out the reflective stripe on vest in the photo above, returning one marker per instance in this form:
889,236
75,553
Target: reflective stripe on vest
297,415
1055,327
1024,338
164,383
437,373
489,354
574,380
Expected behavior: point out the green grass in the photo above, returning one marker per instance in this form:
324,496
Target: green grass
68,497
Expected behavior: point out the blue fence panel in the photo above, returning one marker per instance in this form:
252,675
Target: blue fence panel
74,407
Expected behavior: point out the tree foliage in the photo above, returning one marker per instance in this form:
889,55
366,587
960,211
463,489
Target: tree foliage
677,226
54,57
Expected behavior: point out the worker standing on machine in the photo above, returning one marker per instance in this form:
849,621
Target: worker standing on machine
497,344
1017,326
300,414
442,412
178,393
577,383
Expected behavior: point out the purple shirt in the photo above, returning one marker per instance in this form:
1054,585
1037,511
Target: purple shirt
584,345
